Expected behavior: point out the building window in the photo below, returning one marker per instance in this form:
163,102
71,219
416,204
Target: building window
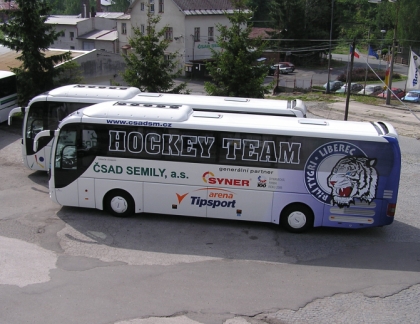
142,6
161,5
169,33
72,47
71,35
152,5
124,28
196,34
88,46
63,34
142,29
211,36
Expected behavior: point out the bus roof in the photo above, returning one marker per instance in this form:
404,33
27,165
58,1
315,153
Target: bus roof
88,92
234,104
183,116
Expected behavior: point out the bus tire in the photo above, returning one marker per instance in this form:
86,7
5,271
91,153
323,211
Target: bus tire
297,218
119,203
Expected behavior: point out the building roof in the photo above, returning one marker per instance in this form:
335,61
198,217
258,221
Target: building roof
209,5
109,15
261,32
64,20
12,5
101,35
125,17
199,7
8,58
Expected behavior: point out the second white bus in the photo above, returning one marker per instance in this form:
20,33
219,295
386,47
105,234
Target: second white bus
45,111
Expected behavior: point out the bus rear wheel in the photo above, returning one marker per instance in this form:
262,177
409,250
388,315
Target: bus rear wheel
297,218
119,203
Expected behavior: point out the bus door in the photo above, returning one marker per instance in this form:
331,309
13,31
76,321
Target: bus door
72,158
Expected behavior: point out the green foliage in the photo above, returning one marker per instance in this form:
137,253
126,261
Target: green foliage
147,68
27,34
120,5
68,73
235,70
262,12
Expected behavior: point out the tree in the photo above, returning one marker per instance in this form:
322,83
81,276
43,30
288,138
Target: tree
262,12
70,73
235,70
120,5
27,33
149,68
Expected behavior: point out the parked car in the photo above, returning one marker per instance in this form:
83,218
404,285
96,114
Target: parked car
371,89
397,91
334,85
284,69
290,65
412,96
354,88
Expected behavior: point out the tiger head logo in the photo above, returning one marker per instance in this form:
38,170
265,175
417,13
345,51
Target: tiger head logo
353,177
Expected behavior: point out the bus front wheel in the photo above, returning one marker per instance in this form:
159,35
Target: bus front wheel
297,218
119,203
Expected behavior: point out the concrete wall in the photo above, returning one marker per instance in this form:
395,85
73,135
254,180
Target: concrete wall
98,23
99,67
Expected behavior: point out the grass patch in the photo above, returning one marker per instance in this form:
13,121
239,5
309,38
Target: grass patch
333,64
309,96
330,98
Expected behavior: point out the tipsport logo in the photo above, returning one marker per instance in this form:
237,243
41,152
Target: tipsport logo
214,198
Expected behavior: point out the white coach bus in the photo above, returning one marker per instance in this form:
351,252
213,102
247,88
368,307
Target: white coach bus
129,157
45,111
8,94
287,108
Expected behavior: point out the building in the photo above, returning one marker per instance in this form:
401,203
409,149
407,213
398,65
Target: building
191,27
85,34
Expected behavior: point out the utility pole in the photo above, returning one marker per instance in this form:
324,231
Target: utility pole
329,51
346,114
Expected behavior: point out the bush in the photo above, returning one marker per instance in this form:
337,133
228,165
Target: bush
359,74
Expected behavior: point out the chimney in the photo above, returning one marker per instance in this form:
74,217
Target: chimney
84,4
98,6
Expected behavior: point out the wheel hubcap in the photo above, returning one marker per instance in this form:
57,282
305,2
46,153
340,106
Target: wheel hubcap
119,204
297,219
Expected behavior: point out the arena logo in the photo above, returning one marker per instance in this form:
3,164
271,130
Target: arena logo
339,172
214,198
210,178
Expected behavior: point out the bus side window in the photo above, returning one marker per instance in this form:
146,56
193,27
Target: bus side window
62,112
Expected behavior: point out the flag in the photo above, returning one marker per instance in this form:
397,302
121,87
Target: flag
371,52
356,52
413,72
387,72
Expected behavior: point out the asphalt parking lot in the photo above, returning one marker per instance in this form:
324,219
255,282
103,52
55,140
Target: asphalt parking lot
74,265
